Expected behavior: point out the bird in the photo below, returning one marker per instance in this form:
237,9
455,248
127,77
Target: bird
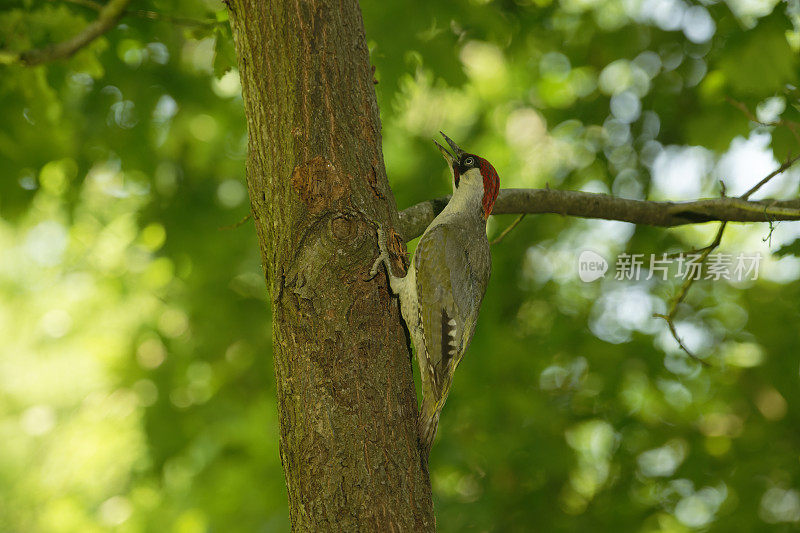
441,294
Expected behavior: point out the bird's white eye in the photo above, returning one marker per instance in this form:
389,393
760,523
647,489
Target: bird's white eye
469,161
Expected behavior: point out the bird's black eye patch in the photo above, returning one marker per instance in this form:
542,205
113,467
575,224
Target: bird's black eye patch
469,161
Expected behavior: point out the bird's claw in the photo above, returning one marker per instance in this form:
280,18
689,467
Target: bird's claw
382,241
375,267
383,254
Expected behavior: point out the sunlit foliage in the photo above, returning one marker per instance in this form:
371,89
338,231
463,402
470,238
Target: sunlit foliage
136,388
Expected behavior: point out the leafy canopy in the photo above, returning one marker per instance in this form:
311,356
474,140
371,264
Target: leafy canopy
135,381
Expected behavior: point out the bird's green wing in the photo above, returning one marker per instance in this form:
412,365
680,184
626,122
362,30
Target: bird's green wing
451,274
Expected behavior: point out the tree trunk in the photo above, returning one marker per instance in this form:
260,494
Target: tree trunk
317,183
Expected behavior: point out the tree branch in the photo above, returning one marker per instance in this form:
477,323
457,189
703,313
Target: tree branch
687,284
106,19
507,230
789,124
149,15
416,218
788,163
705,252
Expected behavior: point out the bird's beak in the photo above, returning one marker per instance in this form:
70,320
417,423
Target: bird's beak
458,151
447,155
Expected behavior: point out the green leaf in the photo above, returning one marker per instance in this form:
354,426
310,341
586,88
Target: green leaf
785,137
793,248
224,52
715,127
762,62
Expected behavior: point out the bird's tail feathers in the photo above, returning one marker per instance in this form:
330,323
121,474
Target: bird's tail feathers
428,424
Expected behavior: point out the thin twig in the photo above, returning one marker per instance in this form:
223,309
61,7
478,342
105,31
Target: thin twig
508,229
146,14
181,21
674,332
749,114
789,124
768,238
91,4
788,163
106,20
684,290
793,128
237,224
704,252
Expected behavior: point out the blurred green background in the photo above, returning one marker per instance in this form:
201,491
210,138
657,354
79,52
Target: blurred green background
136,383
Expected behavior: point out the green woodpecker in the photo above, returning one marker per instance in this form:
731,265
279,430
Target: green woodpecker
441,294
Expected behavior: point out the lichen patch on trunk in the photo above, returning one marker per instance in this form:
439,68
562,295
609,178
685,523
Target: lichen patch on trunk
320,185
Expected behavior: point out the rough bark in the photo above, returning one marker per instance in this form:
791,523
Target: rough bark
317,183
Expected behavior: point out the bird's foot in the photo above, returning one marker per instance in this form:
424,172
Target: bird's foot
383,255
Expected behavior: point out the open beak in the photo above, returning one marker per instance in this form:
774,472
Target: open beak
447,155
